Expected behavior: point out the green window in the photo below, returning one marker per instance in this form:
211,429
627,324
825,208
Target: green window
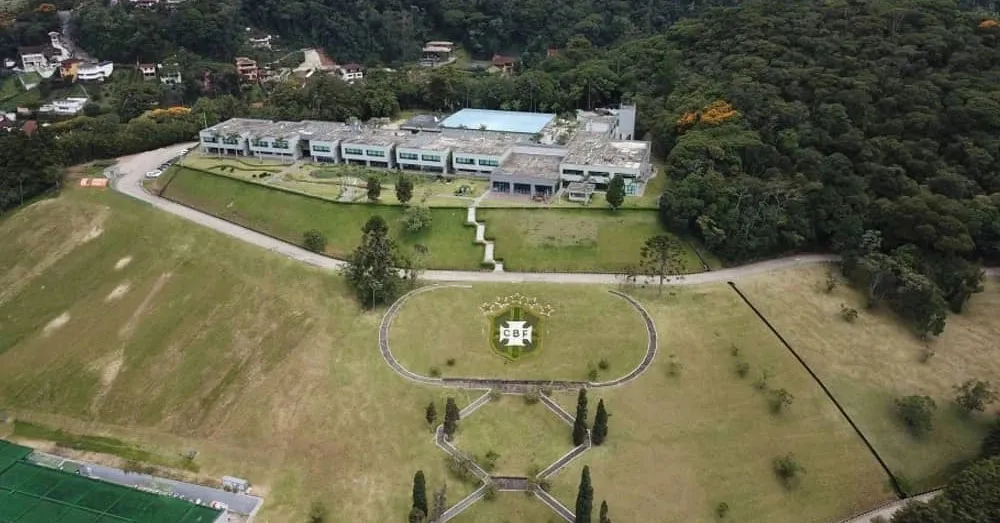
407,156
280,144
258,143
489,163
231,140
375,153
321,148
464,161
352,150
430,157
209,139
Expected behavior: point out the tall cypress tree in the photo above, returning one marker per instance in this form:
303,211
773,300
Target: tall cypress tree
580,423
600,431
431,413
584,498
604,513
419,492
451,417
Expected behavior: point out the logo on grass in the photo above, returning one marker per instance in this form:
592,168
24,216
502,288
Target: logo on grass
515,324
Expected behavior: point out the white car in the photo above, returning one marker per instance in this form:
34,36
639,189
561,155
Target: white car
155,173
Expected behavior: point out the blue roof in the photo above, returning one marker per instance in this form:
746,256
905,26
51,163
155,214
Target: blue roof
501,121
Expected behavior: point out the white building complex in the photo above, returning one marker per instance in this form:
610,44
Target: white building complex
514,150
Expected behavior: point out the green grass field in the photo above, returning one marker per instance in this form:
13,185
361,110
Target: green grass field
587,324
527,438
123,322
288,216
574,240
680,444
871,362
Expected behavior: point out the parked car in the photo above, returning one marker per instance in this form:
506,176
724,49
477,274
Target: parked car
155,173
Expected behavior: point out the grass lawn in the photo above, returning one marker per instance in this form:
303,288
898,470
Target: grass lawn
509,507
871,362
288,216
574,240
527,438
123,322
680,444
587,324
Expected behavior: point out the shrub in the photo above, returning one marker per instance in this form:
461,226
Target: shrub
490,493
734,350
416,218
546,391
848,314
674,367
591,372
721,510
761,383
532,397
450,362
435,372
742,369
917,413
780,399
317,512
975,395
314,240
603,364
788,470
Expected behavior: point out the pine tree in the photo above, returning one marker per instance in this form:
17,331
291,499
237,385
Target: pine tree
372,267
431,413
451,417
616,192
420,492
374,188
580,423
404,189
600,430
584,498
604,513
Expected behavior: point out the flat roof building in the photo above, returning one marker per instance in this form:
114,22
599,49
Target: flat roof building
498,121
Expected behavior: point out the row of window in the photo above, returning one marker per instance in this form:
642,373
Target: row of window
321,148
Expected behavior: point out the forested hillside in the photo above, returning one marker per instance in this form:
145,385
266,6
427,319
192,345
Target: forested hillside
800,127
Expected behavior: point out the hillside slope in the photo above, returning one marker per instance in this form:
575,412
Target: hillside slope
121,321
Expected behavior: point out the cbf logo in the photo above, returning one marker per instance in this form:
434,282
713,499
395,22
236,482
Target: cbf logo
515,331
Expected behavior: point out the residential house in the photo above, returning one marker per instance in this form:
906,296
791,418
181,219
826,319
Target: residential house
247,69
259,41
148,71
66,106
501,64
170,74
95,71
35,58
351,72
69,68
438,53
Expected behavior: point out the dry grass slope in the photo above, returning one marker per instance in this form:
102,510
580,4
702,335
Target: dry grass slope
680,445
874,360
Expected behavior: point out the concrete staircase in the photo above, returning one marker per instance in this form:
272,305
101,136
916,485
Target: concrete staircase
488,259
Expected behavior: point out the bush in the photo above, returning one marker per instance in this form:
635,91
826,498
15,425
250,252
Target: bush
917,413
975,395
603,364
314,240
435,372
495,395
317,512
761,383
591,372
532,397
742,369
721,510
416,219
450,362
788,470
490,493
848,314
674,367
780,399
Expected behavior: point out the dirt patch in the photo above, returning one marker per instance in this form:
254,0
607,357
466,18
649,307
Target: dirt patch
92,234
109,373
55,324
119,291
126,331
122,263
